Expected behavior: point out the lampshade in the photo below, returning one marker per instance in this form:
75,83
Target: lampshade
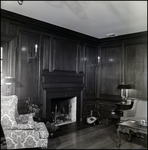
10,80
124,86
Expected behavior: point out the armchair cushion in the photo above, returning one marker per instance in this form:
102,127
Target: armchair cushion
25,118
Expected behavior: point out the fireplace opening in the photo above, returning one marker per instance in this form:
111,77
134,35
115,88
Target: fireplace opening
63,110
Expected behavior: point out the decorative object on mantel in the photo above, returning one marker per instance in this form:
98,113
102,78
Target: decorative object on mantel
8,81
126,87
33,107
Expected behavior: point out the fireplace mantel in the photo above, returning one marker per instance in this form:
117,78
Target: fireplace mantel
60,84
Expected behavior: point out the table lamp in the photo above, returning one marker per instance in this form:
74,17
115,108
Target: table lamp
8,81
122,87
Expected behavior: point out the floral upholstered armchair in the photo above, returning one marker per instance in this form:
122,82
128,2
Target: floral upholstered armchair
21,131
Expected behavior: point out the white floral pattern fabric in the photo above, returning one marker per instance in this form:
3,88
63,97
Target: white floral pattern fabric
21,131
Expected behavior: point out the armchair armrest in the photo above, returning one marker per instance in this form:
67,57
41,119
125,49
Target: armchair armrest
42,130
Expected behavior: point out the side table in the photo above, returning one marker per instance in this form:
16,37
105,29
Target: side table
124,106
132,126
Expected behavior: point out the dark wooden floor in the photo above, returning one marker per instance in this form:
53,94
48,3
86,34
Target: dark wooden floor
99,136
84,136
69,128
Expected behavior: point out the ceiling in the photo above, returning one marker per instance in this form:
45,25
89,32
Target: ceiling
93,18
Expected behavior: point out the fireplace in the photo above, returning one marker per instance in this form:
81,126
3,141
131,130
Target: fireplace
63,96
63,110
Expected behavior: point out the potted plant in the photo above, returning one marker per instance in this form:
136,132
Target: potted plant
33,107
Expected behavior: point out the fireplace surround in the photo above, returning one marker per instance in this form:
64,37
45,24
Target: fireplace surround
62,85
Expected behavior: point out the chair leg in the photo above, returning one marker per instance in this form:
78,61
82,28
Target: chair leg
130,135
119,136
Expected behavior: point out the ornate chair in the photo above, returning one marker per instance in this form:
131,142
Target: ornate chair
137,113
21,131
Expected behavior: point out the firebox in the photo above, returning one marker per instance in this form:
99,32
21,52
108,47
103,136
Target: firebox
59,106
63,110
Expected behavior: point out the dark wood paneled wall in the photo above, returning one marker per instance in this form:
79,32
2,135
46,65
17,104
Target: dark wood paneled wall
46,53
136,69
8,30
91,62
27,73
124,59
64,54
110,70
121,58
81,57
